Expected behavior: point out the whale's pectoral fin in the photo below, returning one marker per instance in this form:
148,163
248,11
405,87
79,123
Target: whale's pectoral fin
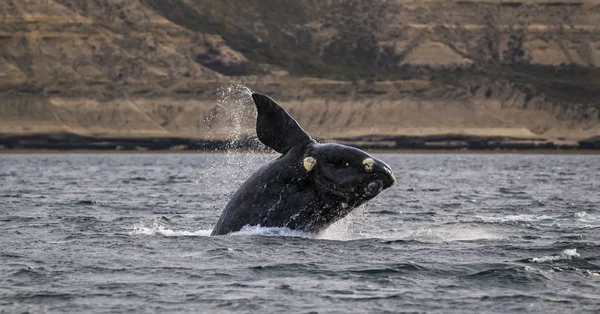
275,127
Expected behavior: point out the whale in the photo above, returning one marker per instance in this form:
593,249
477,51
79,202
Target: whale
309,186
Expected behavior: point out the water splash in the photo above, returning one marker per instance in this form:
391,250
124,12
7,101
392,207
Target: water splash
342,230
233,117
347,228
232,120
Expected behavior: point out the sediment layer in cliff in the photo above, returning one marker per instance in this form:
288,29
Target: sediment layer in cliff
518,70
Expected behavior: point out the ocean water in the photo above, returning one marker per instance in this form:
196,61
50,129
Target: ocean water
114,233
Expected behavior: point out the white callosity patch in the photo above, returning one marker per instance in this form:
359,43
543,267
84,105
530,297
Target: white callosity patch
309,163
389,170
369,164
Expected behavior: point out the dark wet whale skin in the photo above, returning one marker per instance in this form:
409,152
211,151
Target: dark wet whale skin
284,193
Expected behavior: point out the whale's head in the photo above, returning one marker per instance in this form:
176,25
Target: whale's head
339,177
346,174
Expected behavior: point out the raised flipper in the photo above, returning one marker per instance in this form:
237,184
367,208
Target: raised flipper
275,127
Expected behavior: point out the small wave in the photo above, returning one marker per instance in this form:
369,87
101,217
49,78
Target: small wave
28,272
42,296
567,254
384,212
285,266
87,202
510,191
134,179
506,276
404,268
80,219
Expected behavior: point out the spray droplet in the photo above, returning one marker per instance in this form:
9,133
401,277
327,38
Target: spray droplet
233,121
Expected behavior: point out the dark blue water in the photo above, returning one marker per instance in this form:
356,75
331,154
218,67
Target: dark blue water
457,234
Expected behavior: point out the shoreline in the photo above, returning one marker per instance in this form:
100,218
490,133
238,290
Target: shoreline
398,144
373,151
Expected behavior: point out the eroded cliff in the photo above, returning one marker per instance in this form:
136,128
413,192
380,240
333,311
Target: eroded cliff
116,68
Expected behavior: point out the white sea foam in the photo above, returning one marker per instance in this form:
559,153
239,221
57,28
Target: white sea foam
579,219
272,231
564,255
154,226
169,232
518,218
587,218
181,233
446,234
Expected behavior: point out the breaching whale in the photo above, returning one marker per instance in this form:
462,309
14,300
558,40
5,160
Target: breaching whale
309,187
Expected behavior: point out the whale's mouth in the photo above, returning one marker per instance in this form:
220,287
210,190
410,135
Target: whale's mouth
360,190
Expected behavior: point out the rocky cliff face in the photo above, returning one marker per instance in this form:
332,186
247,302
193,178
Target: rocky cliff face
522,69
